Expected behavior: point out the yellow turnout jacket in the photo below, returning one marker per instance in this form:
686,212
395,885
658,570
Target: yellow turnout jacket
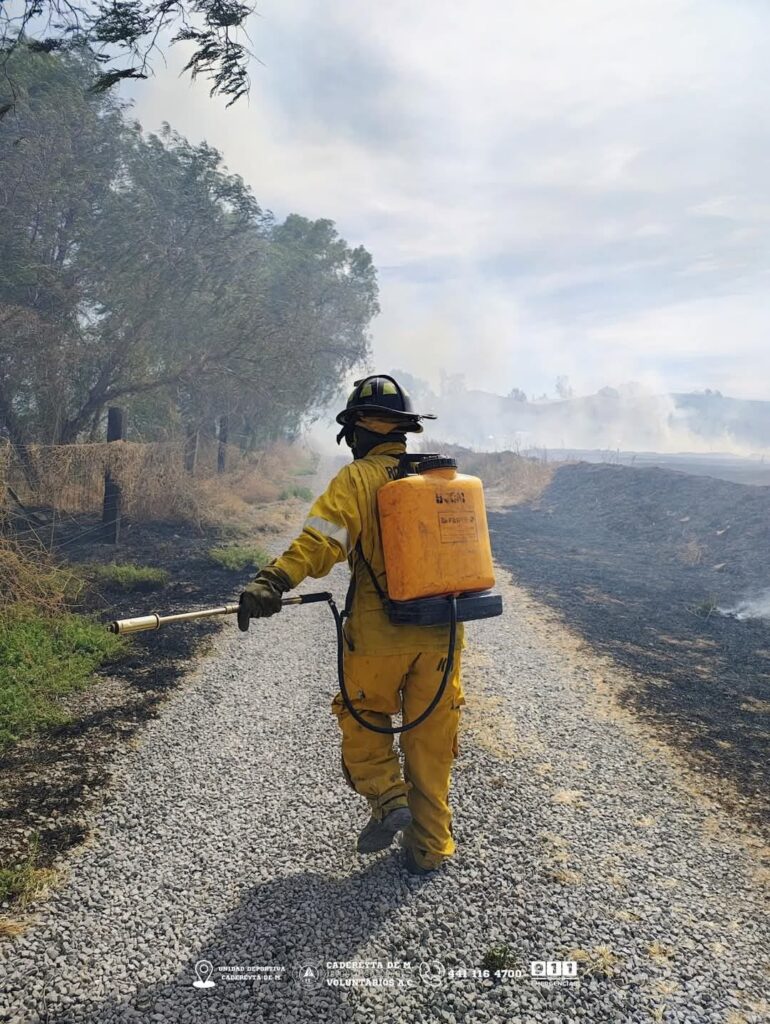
341,520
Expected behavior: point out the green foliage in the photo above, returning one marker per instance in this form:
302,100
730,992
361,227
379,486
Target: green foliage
498,958
25,881
42,658
124,33
135,269
239,556
296,492
128,576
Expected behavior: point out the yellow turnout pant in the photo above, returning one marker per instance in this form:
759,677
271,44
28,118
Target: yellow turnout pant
379,686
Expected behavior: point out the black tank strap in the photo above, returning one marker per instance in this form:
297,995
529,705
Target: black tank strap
380,592
349,603
404,462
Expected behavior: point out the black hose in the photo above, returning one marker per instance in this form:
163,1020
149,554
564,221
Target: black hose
392,731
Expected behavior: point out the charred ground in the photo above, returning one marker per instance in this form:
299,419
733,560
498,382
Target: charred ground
639,562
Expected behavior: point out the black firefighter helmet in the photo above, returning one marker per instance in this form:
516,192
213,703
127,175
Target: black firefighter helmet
380,395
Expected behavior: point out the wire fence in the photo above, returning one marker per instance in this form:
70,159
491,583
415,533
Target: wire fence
154,480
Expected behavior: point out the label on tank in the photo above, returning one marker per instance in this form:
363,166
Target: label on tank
457,527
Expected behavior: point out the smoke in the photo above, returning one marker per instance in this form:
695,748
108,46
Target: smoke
757,607
629,418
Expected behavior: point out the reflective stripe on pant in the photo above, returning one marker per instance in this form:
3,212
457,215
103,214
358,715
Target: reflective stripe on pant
380,686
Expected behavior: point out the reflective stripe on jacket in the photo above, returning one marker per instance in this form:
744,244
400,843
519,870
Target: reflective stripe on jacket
344,515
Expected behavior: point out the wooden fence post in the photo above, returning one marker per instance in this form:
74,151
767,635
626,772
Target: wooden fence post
116,428
191,451
224,433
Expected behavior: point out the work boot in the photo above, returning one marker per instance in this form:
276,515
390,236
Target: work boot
413,866
378,835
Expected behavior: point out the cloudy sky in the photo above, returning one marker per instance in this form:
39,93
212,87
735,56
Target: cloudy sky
574,187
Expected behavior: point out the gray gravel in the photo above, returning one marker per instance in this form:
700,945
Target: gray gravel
229,837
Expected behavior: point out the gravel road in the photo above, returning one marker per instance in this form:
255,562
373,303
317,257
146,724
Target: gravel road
229,838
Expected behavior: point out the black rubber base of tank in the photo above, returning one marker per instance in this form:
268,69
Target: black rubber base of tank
434,611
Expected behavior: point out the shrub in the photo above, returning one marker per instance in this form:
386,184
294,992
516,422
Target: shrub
706,608
296,492
239,556
128,576
29,576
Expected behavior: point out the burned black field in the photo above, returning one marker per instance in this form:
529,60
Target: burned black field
640,562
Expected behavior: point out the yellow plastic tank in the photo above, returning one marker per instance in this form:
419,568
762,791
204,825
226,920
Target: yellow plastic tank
435,537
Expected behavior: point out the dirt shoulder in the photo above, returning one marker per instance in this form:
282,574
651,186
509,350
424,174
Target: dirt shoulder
638,562
50,780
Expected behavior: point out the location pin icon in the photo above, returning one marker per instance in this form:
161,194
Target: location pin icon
204,969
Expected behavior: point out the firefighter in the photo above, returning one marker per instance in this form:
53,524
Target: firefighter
388,668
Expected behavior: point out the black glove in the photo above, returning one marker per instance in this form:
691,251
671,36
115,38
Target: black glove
262,597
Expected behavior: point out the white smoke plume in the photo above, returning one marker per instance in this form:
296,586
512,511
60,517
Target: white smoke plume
756,607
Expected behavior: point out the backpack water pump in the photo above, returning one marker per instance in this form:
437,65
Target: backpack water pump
438,565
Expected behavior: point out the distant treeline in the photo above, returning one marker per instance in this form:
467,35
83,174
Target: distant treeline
135,270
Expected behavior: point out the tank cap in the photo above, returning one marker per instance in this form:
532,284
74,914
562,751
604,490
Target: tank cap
435,462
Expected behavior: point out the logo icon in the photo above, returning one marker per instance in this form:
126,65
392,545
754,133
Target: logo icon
432,972
553,968
203,970
310,975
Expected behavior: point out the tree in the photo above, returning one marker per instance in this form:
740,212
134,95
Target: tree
136,266
59,153
419,390
517,395
563,388
122,34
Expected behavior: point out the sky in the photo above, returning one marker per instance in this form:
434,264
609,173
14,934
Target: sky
576,187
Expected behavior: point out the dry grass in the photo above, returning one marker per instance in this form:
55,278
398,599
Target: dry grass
626,915
665,987
659,952
568,797
25,882
756,706
598,960
70,478
9,928
154,482
558,855
565,876
691,553
28,576
508,477
248,496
